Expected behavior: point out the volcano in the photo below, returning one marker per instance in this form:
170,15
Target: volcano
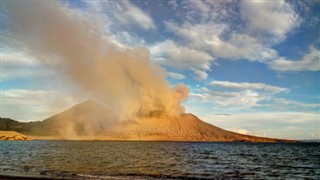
92,121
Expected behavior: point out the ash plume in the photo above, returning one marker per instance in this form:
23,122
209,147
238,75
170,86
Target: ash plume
123,79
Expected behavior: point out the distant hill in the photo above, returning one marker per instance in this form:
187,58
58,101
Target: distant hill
7,124
89,120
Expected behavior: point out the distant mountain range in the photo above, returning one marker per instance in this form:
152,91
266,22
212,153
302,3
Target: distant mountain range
89,120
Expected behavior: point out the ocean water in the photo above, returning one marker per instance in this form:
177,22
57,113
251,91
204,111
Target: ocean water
159,160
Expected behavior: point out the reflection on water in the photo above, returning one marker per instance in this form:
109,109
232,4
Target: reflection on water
148,160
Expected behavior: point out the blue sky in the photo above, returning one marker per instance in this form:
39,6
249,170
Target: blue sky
250,66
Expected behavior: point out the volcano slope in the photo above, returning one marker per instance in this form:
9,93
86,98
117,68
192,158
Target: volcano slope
187,127
91,121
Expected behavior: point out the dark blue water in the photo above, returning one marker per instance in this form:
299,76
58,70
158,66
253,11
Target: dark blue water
152,160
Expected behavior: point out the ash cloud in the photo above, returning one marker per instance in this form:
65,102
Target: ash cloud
123,79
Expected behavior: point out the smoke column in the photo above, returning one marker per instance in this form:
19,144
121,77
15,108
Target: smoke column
122,79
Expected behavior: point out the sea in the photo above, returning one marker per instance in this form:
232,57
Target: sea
158,160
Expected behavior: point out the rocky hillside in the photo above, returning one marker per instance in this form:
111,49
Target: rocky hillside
188,127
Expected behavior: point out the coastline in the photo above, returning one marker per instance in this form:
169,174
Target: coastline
16,136
15,176
90,138
29,176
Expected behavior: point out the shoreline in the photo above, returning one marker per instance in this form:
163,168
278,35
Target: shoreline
90,138
166,141
15,136
29,176
5,176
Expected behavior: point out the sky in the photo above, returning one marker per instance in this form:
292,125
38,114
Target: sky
251,67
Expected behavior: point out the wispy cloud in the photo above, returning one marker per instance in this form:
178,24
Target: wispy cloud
180,57
17,65
24,104
122,12
199,74
225,96
241,46
176,75
246,85
128,13
228,95
275,18
309,62
17,58
173,55
225,99
292,125
283,104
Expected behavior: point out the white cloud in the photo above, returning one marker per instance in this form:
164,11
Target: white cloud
173,3
128,13
243,99
22,104
15,65
200,74
309,62
242,131
25,104
273,17
176,75
128,40
119,13
196,33
284,104
292,125
240,46
179,56
19,72
171,54
246,85
207,37
264,24
203,10
17,58
208,29
201,6
202,97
